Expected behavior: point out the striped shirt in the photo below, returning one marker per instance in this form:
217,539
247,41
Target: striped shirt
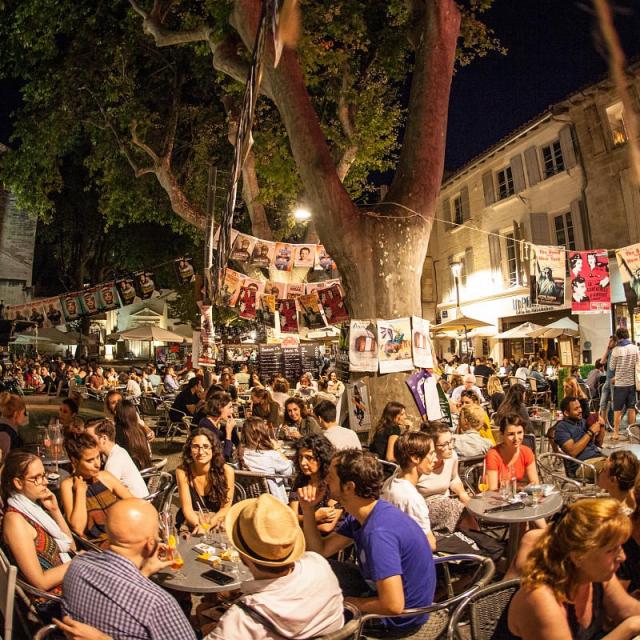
623,364
108,591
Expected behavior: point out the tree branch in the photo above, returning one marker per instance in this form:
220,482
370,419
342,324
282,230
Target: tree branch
417,181
346,115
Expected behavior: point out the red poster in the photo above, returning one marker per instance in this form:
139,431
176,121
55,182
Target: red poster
288,316
333,304
590,286
248,302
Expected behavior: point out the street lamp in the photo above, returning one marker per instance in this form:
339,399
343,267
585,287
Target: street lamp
302,214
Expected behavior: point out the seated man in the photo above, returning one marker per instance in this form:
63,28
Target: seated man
576,439
340,437
119,462
469,382
394,556
187,400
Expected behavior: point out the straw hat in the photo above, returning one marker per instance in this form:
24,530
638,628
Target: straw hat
265,530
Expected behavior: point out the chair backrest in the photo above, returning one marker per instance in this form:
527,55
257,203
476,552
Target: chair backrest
529,440
485,609
45,632
239,494
514,380
553,467
159,484
471,476
254,483
533,384
634,432
8,576
148,406
585,389
388,468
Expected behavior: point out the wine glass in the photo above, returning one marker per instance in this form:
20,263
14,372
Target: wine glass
173,553
204,520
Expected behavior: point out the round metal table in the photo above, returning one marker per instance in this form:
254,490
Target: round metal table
193,582
627,445
480,503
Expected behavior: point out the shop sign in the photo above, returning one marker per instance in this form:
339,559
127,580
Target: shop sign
523,305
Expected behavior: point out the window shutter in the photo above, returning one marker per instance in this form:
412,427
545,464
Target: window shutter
517,171
487,187
446,214
540,228
517,235
566,144
466,207
533,167
576,219
495,257
595,129
450,280
468,263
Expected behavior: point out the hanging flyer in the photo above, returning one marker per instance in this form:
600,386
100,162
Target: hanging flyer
421,343
394,345
363,346
589,275
548,269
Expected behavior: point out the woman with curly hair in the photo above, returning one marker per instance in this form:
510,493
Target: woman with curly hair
312,461
205,482
297,421
569,589
392,423
130,435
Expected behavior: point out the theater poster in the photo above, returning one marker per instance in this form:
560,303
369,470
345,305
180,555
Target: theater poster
589,281
90,302
267,310
421,343
184,270
231,287
363,345
312,311
628,259
277,289
263,253
333,304
71,306
108,299
548,270
305,255
283,260
295,290
359,407
324,262
242,249
145,284
127,290
206,353
35,313
288,316
394,345
248,301
52,312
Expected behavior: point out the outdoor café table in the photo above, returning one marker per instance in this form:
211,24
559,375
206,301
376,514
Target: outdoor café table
193,582
483,501
634,447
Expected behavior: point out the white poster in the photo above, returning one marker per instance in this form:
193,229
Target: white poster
394,345
421,343
359,408
432,399
363,346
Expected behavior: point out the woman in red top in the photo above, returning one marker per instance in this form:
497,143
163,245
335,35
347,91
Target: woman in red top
511,453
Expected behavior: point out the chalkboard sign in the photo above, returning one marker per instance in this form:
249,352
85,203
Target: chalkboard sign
270,360
310,354
292,363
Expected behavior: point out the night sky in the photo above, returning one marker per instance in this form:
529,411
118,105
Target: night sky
554,49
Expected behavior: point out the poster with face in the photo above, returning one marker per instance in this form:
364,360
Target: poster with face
312,312
90,302
548,269
248,301
35,313
263,253
231,287
421,343
295,290
52,312
277,289
206,352
363,345
394,345
323,261
184,270
71,306
628,259
283,260
242,248
145,284
288,316
108,296
305,255
589,275
333,304
267,310
359,407
127,290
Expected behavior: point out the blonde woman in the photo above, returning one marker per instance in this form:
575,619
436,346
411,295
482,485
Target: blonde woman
573,390
569,587
495,392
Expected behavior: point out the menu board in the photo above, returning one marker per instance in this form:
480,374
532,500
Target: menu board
310,355
270,360
292,363
342,365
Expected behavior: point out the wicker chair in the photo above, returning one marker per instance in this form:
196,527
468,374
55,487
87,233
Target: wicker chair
255,484
436,626
483,609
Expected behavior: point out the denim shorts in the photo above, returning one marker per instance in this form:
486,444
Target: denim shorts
624,398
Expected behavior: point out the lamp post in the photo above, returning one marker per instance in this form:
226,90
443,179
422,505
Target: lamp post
456,272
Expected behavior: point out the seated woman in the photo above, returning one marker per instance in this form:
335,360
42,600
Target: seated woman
618,477
514,403
511,459
68,416
436,487
130,435
323,393
335,386
467,398
205,482
569,589
495,392
34,530
470,442
257,453
415,452
13,415
297,421
254,381
89,492
388,430
219,420
280,391
312,461
263,406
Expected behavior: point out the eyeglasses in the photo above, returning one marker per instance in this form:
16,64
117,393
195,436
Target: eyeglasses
201,447
37,480
445,445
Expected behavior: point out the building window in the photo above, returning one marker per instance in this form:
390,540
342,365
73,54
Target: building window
505,183
552,159
564,230
615,116
457,210
512,260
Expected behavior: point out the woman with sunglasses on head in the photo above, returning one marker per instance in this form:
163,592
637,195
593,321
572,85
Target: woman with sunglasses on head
34,531
569,589
205,482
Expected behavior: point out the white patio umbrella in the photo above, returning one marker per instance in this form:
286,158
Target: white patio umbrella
521,331
149,333
562,327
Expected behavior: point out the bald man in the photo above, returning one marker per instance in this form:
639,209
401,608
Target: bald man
112,591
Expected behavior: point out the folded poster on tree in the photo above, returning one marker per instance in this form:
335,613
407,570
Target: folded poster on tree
184,270
421,343
363,345
394,345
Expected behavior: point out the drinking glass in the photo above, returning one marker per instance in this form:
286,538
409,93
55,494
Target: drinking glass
174,554
537,493
204,520
483,483
505,484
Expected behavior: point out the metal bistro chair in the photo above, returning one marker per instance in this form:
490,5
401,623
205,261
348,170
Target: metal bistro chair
32,619
176,427
634,432
46,632
535,394
388,467
483,609
8,577
149,407
435,627
553,467
255,484
160,484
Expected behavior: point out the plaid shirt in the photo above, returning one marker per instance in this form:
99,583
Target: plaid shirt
108,591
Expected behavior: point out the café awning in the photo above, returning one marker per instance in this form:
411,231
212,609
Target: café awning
561,327
521,331
150,332
463,323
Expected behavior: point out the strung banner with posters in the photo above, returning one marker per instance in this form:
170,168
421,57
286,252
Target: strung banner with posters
548,275
333,304
288,316
421,343
363,345
184,270
394,345
206,353
589,276
628,259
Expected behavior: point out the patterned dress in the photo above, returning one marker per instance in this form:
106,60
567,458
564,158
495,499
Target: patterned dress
99,499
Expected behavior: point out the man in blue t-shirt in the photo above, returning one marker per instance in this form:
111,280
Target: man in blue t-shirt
394,557
574,437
